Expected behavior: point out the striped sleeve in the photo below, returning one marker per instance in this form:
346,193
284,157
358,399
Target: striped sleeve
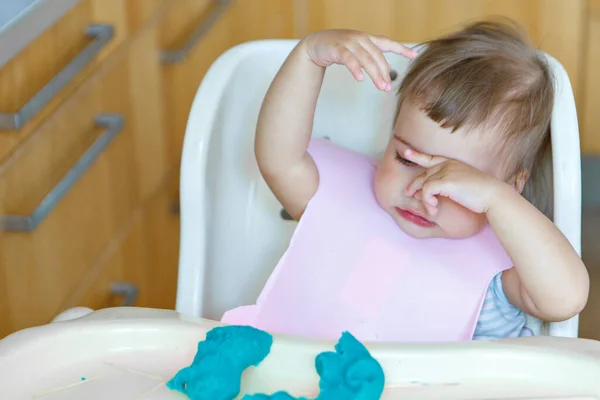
499,318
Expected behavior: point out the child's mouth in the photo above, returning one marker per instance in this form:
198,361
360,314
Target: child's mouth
414,218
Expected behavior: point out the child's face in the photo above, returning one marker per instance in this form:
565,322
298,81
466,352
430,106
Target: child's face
417,131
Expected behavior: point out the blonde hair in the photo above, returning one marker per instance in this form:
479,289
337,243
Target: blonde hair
487,75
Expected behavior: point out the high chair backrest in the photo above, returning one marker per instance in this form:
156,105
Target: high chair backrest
233,230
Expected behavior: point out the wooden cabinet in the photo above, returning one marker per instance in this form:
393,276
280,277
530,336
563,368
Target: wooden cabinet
186,60
139,267
88,32
145,93
45,262
590,116
189,53
82,175
139,11
161,230
96,165
119,276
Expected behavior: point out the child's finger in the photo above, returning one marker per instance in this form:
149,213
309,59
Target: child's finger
384,66
424,160
349,59
370,66
431,189
415,185
419,181
432,210
386,44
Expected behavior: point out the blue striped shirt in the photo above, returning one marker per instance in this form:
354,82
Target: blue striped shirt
499,318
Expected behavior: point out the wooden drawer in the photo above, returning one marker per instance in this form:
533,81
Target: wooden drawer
119,278
161,228
195,33
186,61
139,268
590,126
35,81
41,264
139,11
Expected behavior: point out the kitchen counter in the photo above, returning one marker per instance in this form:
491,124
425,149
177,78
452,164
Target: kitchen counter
21,21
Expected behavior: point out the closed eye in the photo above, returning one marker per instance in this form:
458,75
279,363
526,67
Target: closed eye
404,161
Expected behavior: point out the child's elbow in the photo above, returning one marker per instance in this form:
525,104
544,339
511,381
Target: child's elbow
579,301
576,294
568,310
569,307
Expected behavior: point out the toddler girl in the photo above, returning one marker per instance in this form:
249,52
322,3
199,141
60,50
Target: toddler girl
435,241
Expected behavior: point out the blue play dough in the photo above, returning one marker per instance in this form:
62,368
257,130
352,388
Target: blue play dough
348,373
216,371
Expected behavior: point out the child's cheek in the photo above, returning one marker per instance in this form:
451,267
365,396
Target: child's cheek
384,186
389,184
458,222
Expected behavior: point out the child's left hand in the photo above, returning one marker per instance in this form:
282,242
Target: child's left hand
460,182
549,281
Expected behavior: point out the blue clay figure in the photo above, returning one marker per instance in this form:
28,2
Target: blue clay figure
349,373
215,373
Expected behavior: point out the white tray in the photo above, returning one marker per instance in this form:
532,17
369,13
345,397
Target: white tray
129,353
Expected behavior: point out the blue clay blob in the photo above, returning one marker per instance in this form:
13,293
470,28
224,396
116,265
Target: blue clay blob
221,358
349,373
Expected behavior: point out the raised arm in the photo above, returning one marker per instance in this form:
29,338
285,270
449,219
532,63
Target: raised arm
286,117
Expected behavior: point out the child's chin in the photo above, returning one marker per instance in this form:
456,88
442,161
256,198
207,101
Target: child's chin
419,233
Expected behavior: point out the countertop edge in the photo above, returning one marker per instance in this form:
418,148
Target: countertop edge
28,25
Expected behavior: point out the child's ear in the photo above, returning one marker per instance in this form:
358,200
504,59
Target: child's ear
519,180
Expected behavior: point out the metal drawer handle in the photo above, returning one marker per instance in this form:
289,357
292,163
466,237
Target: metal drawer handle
27,223
101,35
178,55
129,291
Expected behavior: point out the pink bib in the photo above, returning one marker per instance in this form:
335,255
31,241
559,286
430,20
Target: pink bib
349,267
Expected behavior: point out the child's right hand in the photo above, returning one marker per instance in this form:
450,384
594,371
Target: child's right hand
357,51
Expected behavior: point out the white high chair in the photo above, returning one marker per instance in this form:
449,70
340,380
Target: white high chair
232,228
